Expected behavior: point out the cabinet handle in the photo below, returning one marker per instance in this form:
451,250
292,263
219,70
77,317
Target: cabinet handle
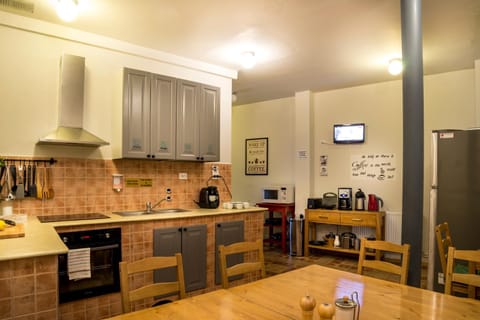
153,156
219,225
357,219
148,156
322,217
184,229
179,229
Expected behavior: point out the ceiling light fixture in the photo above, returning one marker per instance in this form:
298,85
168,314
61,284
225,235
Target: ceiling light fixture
67,10
395,66
248,59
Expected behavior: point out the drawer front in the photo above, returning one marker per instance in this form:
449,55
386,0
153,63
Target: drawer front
359,219
324,217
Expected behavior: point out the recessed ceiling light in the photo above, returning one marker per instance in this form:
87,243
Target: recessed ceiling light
395,66
248,59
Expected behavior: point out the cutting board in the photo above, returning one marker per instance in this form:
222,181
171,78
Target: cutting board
13,232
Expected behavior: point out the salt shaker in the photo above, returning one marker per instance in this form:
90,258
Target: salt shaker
326,311
307,304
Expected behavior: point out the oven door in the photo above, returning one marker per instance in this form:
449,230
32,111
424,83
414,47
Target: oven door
104,279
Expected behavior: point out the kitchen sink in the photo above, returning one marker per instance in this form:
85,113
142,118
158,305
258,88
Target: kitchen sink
154,211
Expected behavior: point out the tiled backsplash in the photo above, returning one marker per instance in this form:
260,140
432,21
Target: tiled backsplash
83,185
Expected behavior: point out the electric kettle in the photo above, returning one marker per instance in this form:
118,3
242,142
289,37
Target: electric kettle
374,203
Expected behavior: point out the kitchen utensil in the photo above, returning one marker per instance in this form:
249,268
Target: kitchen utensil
10,195
28,179
32,188
40,180
359,200
20,193
13,179
48,183
374,203
2,173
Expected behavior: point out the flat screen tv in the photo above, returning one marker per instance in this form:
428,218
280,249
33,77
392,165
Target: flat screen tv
349,133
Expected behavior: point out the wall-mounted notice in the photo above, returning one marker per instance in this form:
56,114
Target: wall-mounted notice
377,166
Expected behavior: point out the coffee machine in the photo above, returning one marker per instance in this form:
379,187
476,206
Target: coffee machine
345,198
209,198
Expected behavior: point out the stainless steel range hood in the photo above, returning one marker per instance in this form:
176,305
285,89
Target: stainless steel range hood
70,117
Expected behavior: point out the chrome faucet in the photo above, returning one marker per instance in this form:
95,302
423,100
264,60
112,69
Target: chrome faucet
149,207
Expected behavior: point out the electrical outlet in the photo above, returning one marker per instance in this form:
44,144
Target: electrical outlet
183,176
168,190
440,278
168,198
215,171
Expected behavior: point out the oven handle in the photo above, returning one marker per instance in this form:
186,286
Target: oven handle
111,246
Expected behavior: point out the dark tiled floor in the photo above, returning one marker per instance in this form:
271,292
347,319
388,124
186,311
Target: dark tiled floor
278,262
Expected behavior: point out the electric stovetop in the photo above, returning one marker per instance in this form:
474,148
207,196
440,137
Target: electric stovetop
72,217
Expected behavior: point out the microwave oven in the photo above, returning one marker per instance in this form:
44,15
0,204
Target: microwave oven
278,194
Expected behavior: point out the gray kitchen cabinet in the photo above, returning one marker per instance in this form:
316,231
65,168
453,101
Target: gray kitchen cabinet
149,115
198,122
191,242
227,233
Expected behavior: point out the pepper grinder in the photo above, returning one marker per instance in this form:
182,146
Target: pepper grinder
307,304
326,311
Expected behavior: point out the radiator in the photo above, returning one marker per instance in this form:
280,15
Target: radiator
393,228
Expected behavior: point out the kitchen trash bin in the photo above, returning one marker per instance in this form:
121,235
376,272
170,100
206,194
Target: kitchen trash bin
295,236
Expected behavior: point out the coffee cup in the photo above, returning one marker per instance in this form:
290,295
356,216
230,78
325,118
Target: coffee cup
227,205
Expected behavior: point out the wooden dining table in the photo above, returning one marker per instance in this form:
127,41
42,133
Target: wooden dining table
278,297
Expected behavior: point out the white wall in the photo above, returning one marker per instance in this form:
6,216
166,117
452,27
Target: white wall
29,60
449,103
273,119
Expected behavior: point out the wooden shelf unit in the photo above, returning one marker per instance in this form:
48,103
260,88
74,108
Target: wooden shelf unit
351,218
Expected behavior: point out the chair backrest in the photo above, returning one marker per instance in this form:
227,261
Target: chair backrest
385,246
127,269
244,267
472,279
444,240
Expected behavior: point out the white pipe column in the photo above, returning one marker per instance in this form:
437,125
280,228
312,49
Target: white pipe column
304,162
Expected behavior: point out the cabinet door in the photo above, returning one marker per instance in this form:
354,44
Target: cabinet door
187,120
163,117
194,253
136,114
166,242
209,117
227,233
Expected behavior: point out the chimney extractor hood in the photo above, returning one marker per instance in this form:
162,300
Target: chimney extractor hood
70,116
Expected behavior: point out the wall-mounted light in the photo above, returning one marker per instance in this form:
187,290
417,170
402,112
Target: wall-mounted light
248,59
395,66
67,10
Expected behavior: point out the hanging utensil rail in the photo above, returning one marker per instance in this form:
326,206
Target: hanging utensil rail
50,161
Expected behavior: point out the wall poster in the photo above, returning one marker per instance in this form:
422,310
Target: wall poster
256,156
376,166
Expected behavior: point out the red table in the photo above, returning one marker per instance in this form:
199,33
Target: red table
284,209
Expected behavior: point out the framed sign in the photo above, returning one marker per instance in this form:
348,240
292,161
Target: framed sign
256,156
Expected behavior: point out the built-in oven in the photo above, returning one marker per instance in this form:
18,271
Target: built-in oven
91,266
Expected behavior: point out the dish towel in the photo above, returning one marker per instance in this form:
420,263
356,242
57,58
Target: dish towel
79,264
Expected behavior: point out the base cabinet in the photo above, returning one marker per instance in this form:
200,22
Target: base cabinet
191,242
314,217
227,233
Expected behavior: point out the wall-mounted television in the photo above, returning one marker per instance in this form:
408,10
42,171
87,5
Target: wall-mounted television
349,133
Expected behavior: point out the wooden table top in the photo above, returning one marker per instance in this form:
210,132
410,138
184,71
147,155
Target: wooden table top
278,297
379,299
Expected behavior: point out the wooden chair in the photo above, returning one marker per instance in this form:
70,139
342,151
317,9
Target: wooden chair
128,269
244,267
384,246
470,279
444,241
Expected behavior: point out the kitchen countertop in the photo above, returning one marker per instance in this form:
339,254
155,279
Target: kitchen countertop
41,239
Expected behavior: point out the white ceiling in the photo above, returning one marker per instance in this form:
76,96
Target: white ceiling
300,44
